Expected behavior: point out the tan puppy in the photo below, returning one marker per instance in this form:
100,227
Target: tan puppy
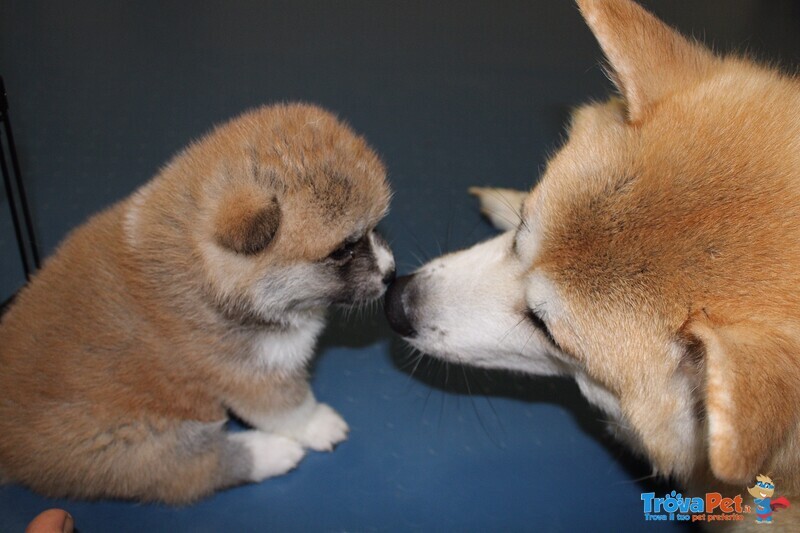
202,293
657,262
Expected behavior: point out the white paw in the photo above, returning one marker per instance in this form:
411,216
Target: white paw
325,429
273,455
501,206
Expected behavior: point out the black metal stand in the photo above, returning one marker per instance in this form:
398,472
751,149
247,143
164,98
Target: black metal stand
23,227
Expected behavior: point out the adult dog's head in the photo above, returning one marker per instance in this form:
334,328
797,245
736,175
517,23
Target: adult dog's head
657,260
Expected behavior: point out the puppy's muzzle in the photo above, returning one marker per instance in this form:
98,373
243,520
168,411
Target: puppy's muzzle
389,276
398,300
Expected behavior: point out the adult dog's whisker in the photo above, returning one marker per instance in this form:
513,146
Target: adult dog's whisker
504,200
512,328
477,412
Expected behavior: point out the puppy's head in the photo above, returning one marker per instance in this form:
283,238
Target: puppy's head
279,207
657,260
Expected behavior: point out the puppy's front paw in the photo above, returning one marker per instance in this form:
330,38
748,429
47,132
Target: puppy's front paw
272,455
325,429
501,206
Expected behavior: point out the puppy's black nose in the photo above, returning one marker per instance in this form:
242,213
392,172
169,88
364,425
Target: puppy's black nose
396,310
389,277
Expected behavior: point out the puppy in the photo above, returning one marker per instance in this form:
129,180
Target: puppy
201,294
657,261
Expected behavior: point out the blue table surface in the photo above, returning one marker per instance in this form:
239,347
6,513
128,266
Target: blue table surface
451,94
446,449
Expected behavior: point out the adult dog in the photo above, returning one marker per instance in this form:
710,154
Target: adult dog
657,261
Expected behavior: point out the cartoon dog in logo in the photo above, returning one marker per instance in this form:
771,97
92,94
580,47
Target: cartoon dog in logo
762,493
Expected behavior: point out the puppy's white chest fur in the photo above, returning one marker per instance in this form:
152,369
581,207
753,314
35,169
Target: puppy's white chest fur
289,350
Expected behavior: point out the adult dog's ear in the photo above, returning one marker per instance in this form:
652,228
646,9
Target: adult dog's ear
751,390
648,59
503,207
245,222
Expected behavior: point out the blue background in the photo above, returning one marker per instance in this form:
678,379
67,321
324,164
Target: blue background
451,94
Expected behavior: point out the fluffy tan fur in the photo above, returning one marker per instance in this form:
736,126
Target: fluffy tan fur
139,324
670,226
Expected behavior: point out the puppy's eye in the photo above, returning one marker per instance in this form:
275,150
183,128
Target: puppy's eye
537,322
344,253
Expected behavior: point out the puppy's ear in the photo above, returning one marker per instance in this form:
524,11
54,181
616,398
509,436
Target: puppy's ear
246,223
648,59
751,385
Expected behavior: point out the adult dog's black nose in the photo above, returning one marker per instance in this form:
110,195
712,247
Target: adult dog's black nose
396,311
